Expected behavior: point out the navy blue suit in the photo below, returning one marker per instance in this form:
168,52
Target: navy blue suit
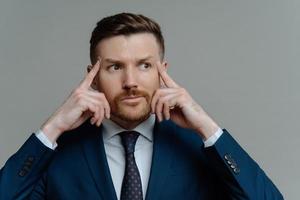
181,168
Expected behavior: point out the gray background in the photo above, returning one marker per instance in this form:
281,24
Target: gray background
239,60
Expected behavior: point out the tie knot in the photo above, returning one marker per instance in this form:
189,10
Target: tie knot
129,139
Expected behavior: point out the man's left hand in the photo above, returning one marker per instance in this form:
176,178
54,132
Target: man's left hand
173,102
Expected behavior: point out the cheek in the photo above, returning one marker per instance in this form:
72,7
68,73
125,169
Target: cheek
151,81
108,87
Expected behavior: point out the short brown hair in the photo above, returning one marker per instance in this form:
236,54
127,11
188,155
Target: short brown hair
124,24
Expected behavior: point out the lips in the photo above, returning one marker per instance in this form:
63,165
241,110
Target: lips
130,97
132,100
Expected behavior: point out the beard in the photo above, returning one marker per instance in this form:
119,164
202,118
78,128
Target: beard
132,113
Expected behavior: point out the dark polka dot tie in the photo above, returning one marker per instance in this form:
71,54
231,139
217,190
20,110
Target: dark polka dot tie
132,185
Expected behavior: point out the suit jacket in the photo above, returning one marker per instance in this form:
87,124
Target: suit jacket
181,168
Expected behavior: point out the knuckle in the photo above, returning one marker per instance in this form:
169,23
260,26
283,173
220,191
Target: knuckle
92,107
97,107
77,91
165,98
157,108
158,92
182,98
160,101
166,103
182,90
102,113
166,112
81,101
77,94
99,103
101,108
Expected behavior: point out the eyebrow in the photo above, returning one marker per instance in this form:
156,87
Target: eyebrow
111,60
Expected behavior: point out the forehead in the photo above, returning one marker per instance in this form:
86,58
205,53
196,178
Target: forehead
131,47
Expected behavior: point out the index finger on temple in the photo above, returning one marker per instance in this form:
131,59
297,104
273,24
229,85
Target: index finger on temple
169,82
91,75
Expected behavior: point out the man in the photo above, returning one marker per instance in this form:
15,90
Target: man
129,131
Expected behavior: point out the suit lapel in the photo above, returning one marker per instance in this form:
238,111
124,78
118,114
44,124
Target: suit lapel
93,148
94,151
161,159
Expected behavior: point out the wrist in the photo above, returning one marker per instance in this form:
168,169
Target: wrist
51,131
208,128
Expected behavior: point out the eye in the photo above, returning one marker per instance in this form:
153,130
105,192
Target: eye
113,67
145,66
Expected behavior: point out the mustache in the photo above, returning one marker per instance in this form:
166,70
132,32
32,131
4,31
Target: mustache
131,93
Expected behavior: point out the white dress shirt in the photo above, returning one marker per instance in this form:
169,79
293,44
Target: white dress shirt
116,155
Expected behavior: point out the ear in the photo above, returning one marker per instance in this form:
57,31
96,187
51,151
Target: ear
94,83
165,65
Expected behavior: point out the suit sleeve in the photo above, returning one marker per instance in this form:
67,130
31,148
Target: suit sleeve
238,172
22,171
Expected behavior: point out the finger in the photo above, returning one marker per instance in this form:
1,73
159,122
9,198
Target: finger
159,105
107,112
162,84
87,81
106,108
168,81
161,92
101,111
154,100
97,114
92,105
158,110
163,105
83,118
100,97
166,110
93,109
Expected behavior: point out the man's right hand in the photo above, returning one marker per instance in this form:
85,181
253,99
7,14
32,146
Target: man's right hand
84,102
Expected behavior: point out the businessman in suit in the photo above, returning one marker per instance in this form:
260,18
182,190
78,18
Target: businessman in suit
129,131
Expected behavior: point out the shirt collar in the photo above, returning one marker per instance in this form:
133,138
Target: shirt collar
110,128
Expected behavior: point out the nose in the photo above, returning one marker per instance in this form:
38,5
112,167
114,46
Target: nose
129,80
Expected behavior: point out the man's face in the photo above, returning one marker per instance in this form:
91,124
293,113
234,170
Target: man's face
128,75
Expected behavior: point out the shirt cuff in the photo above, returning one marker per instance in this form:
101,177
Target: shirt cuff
43,138
213,139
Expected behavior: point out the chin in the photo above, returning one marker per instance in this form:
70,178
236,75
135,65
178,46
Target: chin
133,114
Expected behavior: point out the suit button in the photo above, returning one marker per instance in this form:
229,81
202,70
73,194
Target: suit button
27,168
229,162
236,170
22,173
233,166
30,158
28,163
227,157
